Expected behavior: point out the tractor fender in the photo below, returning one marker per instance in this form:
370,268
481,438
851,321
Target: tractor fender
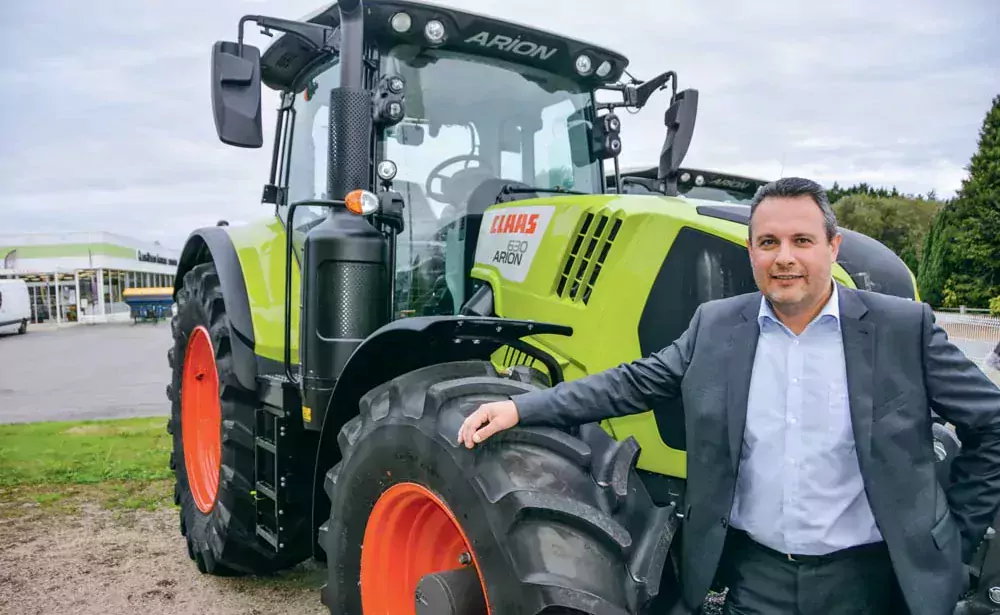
213,244
405,345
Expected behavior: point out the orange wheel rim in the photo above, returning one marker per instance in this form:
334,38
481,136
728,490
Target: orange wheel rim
201,419
411,533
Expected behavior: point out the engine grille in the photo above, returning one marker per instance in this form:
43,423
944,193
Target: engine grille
586,256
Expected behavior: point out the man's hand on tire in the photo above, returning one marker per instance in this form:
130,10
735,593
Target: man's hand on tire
487,420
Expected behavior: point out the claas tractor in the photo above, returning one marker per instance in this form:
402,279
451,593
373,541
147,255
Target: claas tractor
442,236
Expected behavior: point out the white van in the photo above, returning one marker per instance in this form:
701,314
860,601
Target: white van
15,306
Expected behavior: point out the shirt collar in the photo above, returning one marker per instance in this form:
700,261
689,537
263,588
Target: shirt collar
830,311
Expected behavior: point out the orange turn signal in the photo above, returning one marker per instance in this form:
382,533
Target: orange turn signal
361,202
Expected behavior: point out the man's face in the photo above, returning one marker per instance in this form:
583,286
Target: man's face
790,254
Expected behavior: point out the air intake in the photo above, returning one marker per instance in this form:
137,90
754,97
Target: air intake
586,256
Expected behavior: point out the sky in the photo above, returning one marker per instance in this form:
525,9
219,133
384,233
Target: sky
107,122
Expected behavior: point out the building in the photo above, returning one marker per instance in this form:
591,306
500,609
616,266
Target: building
80,276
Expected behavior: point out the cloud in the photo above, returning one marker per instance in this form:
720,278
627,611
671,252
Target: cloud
107,122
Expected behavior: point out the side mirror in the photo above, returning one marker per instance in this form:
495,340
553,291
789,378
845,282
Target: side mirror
679,119
236,97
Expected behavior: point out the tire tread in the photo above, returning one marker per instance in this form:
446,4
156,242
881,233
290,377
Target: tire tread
599,499
222,542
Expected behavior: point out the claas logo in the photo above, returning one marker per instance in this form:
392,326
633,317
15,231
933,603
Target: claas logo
524,224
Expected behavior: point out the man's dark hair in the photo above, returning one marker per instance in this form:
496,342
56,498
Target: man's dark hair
797,186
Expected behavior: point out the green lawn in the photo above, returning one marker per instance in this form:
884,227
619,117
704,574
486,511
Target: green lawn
123,463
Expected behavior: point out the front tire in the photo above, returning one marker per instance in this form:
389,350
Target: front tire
548,522
212,422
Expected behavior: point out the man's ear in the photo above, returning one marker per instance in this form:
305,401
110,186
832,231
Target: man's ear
835,246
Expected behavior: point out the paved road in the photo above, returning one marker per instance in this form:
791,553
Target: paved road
974,349
84,372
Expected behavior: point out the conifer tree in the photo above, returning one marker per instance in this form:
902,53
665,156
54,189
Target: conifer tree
961,263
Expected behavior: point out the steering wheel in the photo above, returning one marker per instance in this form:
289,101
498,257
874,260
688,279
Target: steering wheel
447,187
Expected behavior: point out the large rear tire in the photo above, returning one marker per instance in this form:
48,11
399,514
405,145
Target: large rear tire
212,422
549,523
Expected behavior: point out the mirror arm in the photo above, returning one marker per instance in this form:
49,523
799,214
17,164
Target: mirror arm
646,89
320,38
636,96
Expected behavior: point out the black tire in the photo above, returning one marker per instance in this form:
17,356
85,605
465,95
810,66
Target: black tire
23,328
560,524
224,541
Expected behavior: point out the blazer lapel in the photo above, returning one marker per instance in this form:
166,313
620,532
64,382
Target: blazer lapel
742,348
859,357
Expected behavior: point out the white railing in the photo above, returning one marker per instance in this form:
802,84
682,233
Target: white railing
976,334
968,326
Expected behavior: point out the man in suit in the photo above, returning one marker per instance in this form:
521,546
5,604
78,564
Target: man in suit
811,481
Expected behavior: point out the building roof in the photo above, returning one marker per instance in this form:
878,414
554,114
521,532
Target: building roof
46,252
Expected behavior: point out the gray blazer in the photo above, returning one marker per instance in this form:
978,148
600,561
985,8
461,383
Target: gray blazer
900,366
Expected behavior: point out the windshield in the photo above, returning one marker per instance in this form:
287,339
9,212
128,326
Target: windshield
469,120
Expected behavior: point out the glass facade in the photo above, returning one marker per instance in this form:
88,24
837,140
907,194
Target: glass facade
83,276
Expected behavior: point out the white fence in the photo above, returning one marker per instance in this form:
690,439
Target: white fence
975,333
978,327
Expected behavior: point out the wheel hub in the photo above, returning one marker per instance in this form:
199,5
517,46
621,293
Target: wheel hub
201,419
416,559
454,592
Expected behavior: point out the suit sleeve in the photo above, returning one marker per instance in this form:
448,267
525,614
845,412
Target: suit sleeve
629,388
963,395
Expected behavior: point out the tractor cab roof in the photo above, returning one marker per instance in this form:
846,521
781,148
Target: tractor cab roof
284,61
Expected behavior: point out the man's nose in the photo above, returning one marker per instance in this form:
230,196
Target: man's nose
785,253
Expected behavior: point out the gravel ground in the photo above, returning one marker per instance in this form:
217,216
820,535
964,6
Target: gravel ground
97,562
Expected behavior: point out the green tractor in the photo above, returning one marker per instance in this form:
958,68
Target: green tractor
324,357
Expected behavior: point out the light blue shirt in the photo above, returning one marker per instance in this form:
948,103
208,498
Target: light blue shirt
799,488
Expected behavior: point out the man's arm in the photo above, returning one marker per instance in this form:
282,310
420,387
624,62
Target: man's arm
962,394
629,388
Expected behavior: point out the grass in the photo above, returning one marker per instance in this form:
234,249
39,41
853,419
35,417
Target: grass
123,464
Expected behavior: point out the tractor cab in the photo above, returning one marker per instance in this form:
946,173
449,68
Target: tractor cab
436,115
474,131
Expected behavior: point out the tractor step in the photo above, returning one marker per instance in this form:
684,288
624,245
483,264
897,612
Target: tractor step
277,428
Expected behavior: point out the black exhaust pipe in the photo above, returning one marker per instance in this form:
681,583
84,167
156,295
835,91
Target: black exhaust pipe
345,266
349,164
